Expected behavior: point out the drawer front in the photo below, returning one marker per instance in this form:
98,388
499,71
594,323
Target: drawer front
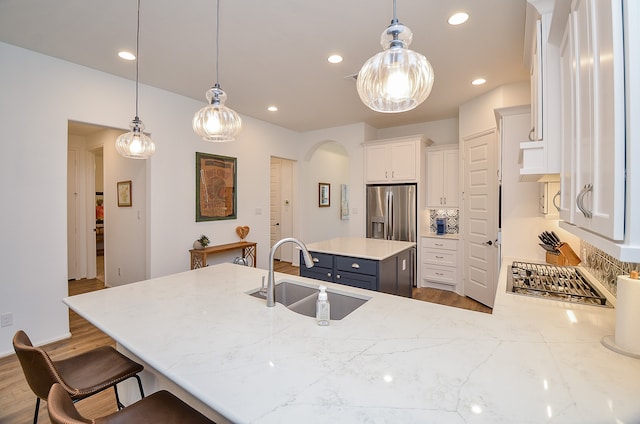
440,243
440,274
318,273
440,257
356,280
357,265
323,260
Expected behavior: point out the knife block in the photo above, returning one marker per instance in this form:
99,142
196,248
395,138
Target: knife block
564,255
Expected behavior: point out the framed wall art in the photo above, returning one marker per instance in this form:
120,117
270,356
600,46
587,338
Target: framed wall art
216,179
124,193
324,195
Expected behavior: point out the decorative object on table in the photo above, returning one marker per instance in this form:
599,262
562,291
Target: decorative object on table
324,195
136,144
216,180
242,231
441,226
396,79
201,243
344,202
216,122
124,193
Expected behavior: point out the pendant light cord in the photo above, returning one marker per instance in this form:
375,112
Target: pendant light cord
395,16
217,42
137,57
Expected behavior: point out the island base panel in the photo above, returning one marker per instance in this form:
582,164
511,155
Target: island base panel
153,381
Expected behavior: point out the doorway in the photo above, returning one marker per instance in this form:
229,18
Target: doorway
95,167
281,206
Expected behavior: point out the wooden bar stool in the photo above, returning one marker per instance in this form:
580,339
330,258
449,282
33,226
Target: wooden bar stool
159,408
80,376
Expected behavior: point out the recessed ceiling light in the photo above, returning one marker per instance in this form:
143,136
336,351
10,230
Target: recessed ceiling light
335,58
458,18
272,108
127,55
478,81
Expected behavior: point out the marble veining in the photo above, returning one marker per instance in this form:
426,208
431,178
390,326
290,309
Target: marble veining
392,360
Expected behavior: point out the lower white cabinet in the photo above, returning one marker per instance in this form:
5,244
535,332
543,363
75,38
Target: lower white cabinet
439,263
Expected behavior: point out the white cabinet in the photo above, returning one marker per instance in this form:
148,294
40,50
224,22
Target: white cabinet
439,263
594,76
541,153
599,67
393,160
442,177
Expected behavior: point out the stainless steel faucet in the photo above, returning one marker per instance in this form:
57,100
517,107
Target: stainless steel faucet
271,286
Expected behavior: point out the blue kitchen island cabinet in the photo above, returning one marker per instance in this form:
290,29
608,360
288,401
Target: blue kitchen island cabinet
386,266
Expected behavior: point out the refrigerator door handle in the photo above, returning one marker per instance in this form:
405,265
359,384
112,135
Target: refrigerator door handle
391,217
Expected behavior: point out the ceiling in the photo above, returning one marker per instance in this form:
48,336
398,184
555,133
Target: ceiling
274,52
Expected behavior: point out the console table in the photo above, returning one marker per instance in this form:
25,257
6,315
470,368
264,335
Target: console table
199,256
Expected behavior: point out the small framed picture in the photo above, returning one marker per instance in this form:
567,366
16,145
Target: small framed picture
324,195
124,193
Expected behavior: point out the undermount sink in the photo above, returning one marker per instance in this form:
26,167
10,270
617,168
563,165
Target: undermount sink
301,298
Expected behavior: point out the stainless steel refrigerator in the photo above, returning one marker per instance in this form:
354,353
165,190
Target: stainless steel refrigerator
391,212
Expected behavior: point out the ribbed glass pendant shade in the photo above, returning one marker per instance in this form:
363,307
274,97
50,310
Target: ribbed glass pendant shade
135,144
216,122
396,79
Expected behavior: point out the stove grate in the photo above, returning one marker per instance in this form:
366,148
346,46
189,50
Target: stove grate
552,281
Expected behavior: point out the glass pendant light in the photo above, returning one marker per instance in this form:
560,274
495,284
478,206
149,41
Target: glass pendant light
396,79
216,122
136,144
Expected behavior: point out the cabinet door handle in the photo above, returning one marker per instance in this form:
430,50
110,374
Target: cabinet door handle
439,244
316,260
386,174
355,265
445,200
439,273
441,200
439,257
580,200
531,134
556,201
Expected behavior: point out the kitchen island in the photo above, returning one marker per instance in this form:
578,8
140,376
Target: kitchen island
387,266
392,360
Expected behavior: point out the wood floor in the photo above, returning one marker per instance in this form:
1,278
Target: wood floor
17,401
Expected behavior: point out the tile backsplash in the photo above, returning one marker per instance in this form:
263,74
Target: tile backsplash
452,216
604,267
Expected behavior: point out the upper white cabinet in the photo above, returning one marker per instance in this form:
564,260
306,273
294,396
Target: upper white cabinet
541,153
394,160
599,67
442,177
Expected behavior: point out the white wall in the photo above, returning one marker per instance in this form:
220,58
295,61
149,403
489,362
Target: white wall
39,95
328,164
444,131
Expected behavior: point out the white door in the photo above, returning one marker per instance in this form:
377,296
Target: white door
281,206
274,208
480,212
72,212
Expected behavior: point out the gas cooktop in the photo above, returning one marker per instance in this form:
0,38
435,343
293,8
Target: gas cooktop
553,282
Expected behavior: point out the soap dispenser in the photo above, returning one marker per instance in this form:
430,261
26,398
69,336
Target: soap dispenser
323,309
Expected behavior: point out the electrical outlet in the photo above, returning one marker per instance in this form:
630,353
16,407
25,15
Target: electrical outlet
6,320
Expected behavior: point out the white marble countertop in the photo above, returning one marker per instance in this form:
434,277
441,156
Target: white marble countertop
393,360
436,235
360,247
